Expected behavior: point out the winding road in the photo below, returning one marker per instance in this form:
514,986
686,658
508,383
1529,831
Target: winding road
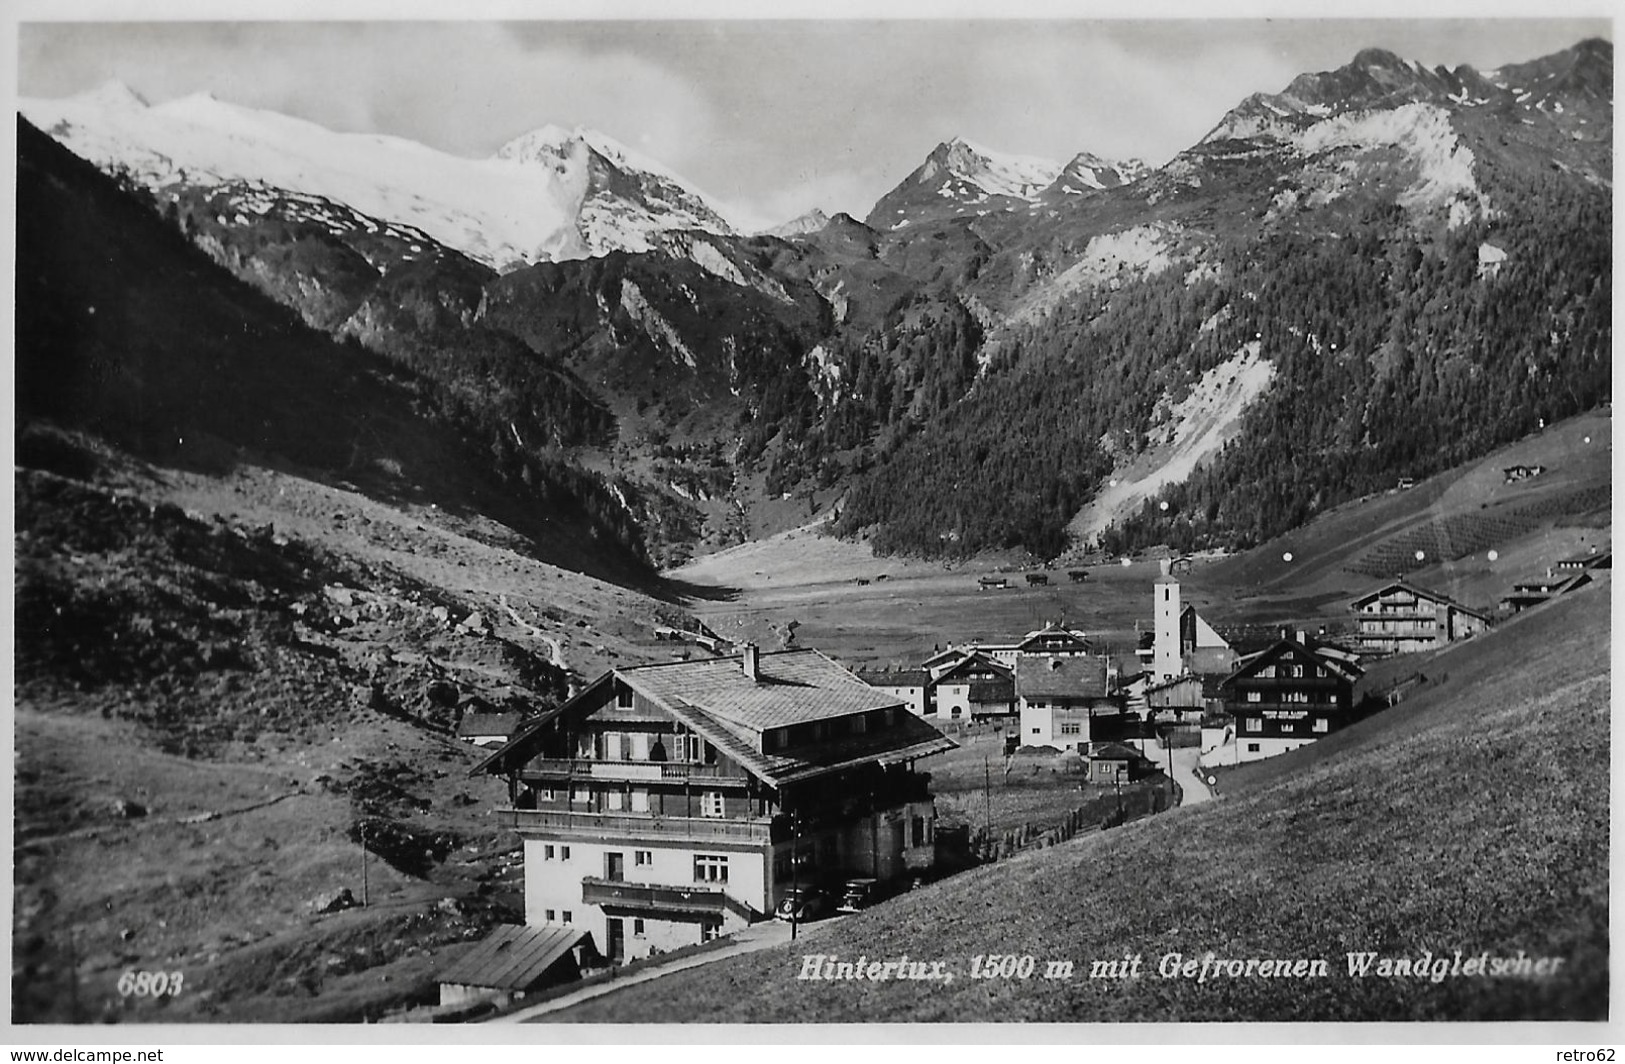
1195,791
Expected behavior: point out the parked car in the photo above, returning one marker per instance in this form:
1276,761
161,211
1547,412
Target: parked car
803,902
859,894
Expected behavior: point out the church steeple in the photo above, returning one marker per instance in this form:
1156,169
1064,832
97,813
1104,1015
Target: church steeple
1165,606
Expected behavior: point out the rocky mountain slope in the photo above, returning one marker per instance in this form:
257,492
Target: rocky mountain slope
549,194
1032,329
260,579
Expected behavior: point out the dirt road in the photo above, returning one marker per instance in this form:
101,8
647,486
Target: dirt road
1196,791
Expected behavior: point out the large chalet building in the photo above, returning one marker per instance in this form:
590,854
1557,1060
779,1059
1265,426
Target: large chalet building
667,804
1055,640
1288,695
1061,698
1401,618
976,686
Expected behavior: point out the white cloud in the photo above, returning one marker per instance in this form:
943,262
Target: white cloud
831,192
463,87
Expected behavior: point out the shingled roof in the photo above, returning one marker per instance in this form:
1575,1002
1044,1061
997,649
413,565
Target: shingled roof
502,724
1047,677
513,956
730,710
792,687
895,677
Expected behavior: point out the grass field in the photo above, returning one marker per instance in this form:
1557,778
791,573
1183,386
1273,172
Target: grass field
1473,501
1040,789
1472,818
911,607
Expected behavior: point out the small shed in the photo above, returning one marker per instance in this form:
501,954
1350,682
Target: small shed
515,960
1108,760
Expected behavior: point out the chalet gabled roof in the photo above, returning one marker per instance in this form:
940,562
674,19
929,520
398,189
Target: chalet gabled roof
1057,677
1344,664
1420,592
1114,751
944,657
793,687
513,956
515,752
716,700
1052,633
975,659
895,677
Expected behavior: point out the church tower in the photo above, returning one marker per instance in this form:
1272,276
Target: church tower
1165,659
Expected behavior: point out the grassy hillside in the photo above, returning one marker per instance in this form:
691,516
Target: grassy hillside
1342,548
126,331
1474,817
256,585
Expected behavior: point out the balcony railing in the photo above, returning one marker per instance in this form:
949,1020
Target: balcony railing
653,771
617,825
654,897
1278,682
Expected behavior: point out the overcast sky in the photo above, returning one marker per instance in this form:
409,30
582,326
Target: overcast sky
767,118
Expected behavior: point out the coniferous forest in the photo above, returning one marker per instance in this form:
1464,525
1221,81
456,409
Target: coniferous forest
1396,355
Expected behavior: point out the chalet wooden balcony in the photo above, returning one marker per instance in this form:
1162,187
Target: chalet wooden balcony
658,898
1275,683
1244,709
633,771
634,826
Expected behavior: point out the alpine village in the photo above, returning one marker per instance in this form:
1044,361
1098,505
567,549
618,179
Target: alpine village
1070,572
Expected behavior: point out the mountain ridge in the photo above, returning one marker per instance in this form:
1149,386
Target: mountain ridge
1057,316
546,194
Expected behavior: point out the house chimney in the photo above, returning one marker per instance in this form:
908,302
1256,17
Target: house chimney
1303,637
753,664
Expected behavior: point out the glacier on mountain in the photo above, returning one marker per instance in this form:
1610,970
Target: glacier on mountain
549,194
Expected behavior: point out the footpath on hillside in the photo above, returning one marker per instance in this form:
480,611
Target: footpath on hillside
1193,789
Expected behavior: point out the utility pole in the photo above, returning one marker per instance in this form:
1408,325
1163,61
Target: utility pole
73,977
874,833
987,797
363,864
1168,739
795,871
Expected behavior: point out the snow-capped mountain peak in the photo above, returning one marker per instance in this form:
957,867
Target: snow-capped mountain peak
995,173
961,178
548,194
112,94
1089,171
811,222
